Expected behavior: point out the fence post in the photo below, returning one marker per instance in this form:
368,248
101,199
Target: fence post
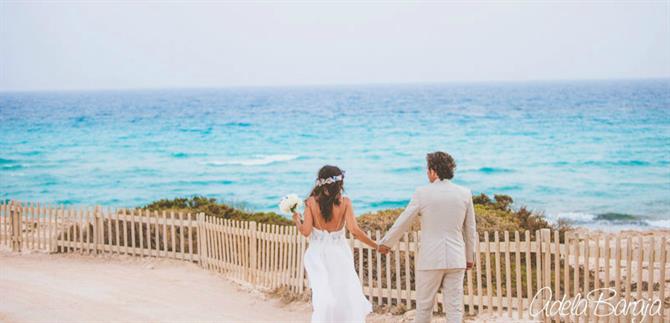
253,251
301,270
54,231
545,236
15,218
96,228
201,238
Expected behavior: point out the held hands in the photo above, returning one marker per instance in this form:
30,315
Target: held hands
383,249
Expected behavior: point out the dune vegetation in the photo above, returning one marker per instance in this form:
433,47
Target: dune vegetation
212,207
495,214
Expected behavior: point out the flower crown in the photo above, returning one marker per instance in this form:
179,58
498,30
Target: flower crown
329,180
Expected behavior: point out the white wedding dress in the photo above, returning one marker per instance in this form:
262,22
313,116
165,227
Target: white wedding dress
337,295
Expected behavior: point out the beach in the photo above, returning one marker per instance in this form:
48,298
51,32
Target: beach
41,287
149,149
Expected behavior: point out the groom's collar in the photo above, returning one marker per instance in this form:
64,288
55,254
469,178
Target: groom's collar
440,181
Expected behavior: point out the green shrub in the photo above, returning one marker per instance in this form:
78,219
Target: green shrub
211,207
491,215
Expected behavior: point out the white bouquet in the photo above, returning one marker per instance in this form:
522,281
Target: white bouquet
290,203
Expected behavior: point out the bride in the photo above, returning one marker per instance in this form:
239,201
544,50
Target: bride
337,295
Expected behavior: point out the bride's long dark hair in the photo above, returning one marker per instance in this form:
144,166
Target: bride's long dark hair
328,194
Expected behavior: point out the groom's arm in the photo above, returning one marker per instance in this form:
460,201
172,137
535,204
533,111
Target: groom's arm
403,222
470,232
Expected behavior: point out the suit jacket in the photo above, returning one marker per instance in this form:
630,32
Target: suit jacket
448,229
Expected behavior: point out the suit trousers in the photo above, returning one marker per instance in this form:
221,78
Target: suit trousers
428,282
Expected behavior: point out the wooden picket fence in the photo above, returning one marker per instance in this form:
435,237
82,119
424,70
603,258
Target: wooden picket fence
94,230
510,268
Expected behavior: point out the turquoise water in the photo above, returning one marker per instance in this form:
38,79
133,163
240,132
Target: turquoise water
571,149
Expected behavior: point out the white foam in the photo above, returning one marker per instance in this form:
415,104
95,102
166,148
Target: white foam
579,218
258,161
575,216
659,223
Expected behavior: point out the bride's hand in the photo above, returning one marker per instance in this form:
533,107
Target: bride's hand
297,216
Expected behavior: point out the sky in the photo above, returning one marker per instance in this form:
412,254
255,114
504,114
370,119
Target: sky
125,45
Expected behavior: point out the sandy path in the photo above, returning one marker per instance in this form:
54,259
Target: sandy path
73,288
37,287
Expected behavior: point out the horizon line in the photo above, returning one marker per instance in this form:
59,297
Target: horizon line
333,85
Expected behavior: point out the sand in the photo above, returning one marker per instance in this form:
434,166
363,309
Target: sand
40,287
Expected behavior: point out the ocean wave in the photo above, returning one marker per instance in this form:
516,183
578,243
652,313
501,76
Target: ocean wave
80,119
6,161
181,155
581,217
610,220
138,171
616,163
544,189
238,124
576,216
507,188
494,170
617,217
603,163
259,161
182,183
388,204
488,170
68,202
403,170
204,131
11,167
31,153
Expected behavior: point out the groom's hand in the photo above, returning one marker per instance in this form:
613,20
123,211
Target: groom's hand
469,265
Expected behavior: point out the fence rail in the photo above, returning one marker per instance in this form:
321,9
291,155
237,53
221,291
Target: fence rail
510,267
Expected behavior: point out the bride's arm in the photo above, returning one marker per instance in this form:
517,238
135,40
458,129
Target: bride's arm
305,227
352,226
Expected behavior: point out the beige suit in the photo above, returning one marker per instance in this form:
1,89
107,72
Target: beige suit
448,233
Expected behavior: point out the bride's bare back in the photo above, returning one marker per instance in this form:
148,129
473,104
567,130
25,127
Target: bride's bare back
337,221
343,215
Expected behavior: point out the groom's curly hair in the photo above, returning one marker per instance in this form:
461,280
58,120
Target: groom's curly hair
442,163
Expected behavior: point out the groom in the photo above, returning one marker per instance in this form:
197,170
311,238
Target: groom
447,238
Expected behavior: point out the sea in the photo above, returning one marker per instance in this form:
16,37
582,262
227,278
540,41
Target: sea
596,153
